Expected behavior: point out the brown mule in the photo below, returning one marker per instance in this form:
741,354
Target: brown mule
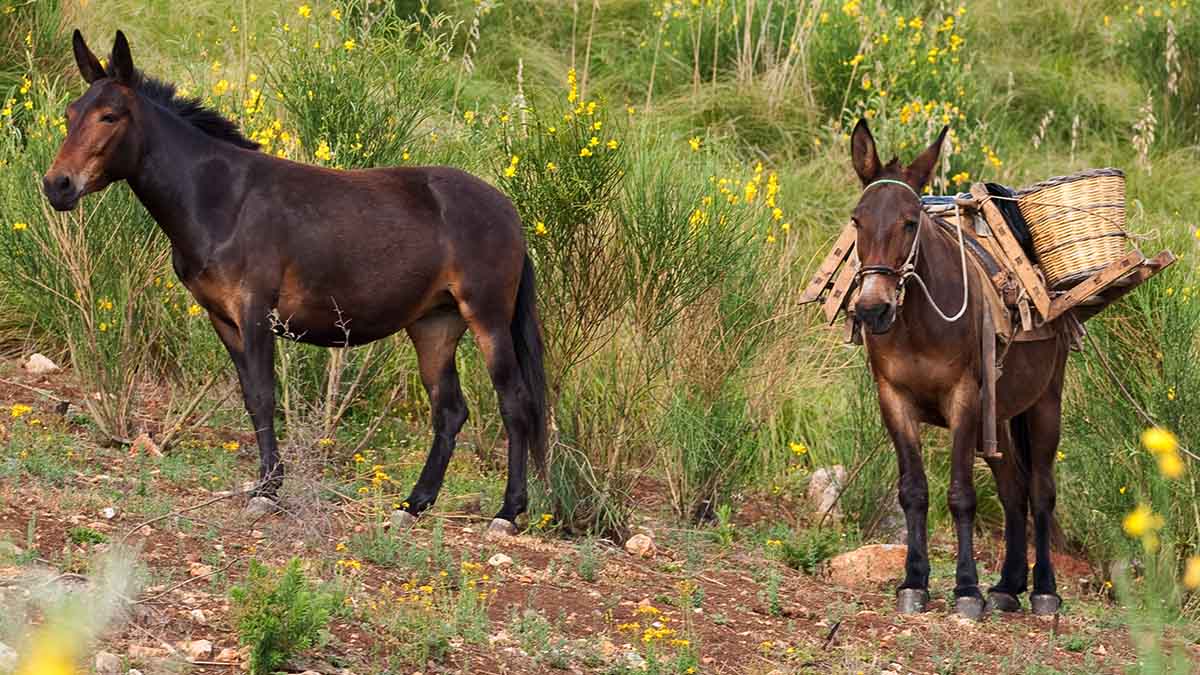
927,370
268,246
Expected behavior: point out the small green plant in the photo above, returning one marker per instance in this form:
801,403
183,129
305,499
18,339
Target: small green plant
769,594
723,533
86,535
279,613
806,551
589,560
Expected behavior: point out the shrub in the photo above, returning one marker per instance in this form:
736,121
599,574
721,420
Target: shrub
278,614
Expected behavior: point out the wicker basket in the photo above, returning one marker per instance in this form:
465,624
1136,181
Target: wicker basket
1077,223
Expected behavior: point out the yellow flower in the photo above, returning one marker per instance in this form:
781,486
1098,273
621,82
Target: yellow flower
593,142
20,226
585,152
1170,464
539,228
336,14
551,167
233,28
1141,521
105,304
231,446
1191,573
694,141
1158,440
359,459
1170,393
103,327
612,144
469,116
304,11
323,153
961,177
797,448
20,409
363,490
325,442
349,45
220,87
630,110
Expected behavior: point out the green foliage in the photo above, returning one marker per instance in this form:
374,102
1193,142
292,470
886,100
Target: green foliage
85,535
279,613
808,549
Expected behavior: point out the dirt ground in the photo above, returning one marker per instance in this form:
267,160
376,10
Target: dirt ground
560,605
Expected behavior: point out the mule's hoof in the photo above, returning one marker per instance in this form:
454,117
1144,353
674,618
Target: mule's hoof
402,520
911,600
260,506
1002,602
970,607
1045,604
501,528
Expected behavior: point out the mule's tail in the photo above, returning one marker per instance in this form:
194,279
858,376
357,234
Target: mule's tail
1022,439
527,341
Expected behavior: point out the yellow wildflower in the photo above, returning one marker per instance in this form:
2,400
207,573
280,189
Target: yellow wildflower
323,152
349,45
304,11
585,152
231,446
694,142
539,228
220,87
1191,573
20,409
20,226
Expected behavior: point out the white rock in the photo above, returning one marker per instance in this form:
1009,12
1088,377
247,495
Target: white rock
824,488
199,617
107,663
8,658
640,545
108,513
500,560
38,364
199,650
134,671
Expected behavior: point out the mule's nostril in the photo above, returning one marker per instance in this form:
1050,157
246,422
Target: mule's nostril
63,183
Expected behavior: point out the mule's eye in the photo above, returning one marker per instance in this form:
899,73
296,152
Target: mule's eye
108,118
910,225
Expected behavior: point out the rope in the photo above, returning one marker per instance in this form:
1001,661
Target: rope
909,268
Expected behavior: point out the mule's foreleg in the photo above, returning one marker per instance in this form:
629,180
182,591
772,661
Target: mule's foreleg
964,430
252,348
904,428
436,340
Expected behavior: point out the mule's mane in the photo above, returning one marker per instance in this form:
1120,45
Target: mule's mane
190,109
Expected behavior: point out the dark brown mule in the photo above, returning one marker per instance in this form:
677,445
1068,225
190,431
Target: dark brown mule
268,245
927,370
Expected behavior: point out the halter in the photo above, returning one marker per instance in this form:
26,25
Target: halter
909,267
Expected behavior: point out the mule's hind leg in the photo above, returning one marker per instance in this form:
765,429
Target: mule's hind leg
902,424
1045,419
436,337
1011,472
492,329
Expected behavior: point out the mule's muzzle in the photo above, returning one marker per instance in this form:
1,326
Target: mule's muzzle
878,318
62,191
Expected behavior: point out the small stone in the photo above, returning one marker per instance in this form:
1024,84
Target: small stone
402,520
869,565
143,444
258,507
38,364
640,545
228,655
144,653
108,513
500,560
107,663
824,488
199,570
634,660
500,528
199,617
199,650
134,671
8,658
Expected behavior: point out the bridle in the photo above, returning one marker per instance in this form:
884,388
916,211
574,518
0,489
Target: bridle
909,267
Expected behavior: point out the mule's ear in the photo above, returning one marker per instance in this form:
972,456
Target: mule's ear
89,65
920,171
862,152
122,60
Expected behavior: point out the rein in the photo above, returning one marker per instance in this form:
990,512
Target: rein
909,267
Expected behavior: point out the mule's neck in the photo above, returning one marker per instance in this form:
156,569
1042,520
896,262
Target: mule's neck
192,184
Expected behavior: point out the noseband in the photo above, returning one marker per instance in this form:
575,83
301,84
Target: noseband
909,267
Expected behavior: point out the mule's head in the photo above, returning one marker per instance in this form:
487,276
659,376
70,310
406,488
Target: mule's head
886,217
102,144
